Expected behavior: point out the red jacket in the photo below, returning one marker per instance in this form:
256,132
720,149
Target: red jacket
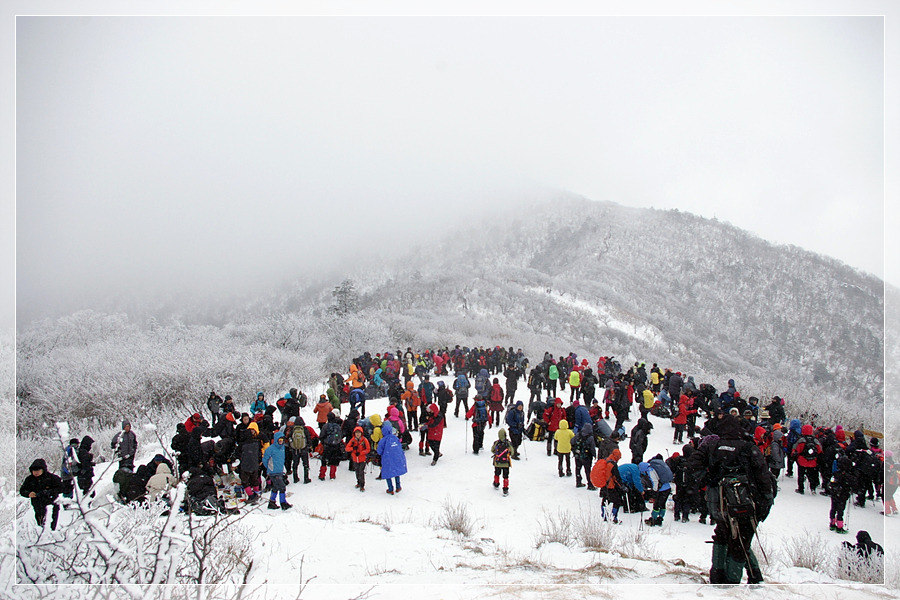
435,425
685,408
799,451
553,415
358,448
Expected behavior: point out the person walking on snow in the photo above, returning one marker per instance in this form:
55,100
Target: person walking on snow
501,454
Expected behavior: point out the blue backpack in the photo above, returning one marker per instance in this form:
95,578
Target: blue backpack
481,415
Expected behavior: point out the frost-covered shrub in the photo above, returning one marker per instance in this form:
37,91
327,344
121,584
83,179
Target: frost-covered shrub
555,527
848,564
457,517
808,551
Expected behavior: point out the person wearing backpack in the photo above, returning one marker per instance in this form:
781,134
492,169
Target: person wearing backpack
842,483
660,476
496,401
358,449
501,458
584,449
332,449
891,478
605,477
793,436
69,470
563,438
806,451
480,416
739,494
553,414
461,388
515,421
298,440
552,378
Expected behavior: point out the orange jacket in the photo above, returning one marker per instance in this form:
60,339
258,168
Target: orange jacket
358,448
322,409
356,377
411,399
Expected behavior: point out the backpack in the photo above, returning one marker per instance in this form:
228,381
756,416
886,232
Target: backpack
502,453
809,447
298,438
663,471
735,496
481,415
332,436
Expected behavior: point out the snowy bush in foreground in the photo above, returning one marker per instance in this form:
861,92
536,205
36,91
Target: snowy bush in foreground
849,565
555,528
807,551
457,517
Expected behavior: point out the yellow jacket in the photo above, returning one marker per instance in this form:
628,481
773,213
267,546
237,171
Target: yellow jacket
563,437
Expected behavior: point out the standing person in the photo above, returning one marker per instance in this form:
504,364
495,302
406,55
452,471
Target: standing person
125,444
358,449
480,416
842,483
273,459
251,459
496,401
434,430
214,405
331,447
501,454
807,451
411,402
69,468
512,384
553,414
461,387
552,378
639,440
535,386
792,437
563,438
322,409
605,476
584,448
299,442
718,463
574,385
42,488
85,465
515,420
393,461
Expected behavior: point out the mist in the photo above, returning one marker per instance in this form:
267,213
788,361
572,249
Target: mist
205,155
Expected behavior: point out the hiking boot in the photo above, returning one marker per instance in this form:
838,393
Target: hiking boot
561,474
362,488
307,480
421,453
285,506
579,484
434,462
799,491
321,478
568,473
496,485
391,492
703,520
684,519
506,491
840,530
398,489
297,480
272,505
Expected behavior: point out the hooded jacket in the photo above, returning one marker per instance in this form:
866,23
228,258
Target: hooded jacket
273,458
501,451
553,415
161,482
46,487
358,449
86,459
799,451
393,461
563,437
604,471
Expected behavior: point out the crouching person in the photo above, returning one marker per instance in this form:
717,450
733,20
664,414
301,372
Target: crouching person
43,488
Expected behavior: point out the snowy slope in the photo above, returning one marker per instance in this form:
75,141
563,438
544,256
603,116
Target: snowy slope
349,541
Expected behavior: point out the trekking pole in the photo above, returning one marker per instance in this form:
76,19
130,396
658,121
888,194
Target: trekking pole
466,427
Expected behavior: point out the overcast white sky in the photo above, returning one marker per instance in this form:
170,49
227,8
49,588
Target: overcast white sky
215,153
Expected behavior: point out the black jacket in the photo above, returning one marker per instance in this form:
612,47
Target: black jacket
46,487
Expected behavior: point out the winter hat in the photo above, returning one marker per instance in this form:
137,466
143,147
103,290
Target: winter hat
733,411
292,420
230,416
840,435
675,455
245,415
254,427
501,435
433,408
838,428
806,429
873,442
196,418
159,458
126,422
73,442
228,398
519,403
38,464
776,426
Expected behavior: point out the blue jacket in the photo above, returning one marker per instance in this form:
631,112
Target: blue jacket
793,433
515,419
377,379
582,417
393,461
357,396
631,476
273,457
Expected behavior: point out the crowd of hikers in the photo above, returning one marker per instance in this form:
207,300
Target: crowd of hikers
726,469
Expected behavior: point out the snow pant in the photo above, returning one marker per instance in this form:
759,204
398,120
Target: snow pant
615,499
535,395
551,443
890,506
731,555
504,471
278,484
838,504
620,418
413,417
250,482
40,512
391,484
682,503
863,487
360,469
423,449
297,457
679,433
568,458
659,504
477,437
435,449
551,389
812,473
574,393
68,487
332,470
583,465
516,441
495,417
85,483
790,464
510,394
464,398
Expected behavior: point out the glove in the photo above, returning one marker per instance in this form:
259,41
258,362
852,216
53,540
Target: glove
763,510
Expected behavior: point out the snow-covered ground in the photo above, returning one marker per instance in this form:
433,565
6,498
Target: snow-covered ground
348,541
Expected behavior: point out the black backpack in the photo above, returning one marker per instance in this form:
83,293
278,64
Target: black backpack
809,447
736,496
332,436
